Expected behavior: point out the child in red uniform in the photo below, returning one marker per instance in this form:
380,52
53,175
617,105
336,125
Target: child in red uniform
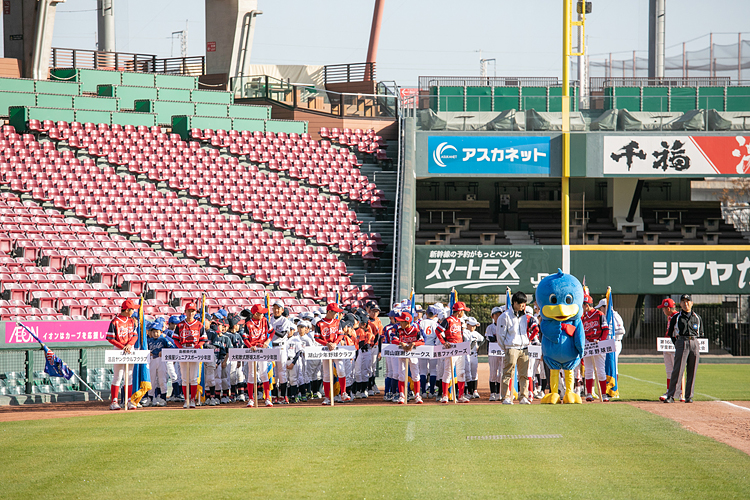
595,328
190,334
449,333
407,337
257,334
121,334
328,333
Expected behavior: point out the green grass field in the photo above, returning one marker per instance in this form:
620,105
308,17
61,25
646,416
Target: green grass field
606,451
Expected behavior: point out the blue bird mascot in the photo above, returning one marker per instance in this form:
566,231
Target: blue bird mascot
560,299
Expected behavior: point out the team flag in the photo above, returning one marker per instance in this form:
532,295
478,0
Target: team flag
54,366
141,373
452,300
610,366
507,297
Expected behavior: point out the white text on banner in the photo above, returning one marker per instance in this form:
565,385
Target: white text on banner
118,357
601,347
256,355
664,344
189,355
321,352
494,349
462,349
419,352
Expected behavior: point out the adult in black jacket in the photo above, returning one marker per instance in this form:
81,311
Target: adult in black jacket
684,329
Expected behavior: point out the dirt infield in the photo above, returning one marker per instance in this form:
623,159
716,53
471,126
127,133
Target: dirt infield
727,422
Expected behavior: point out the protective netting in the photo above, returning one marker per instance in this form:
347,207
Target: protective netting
728,60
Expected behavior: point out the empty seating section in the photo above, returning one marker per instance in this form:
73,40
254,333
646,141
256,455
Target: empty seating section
71,178
58,268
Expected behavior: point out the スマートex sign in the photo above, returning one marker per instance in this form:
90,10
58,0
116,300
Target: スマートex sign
486,154
671,155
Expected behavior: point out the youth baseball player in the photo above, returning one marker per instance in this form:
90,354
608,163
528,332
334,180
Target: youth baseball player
190,334
407,337
257,334
450,332
328,333
427,367
495,376
595,328
122,335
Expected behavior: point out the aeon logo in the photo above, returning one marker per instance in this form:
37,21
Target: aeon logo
19,335
438,155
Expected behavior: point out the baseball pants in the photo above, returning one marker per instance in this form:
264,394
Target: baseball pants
472,367
158,371
223,375
363,366
313,369
236,373
391,370
261,367
496,363
460,364
428,367
405,364
599,360
296,374
173,370
374,351
119,375
191,367
340,369
687,355
209,372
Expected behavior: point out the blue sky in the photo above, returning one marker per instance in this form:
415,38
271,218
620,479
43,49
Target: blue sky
418,38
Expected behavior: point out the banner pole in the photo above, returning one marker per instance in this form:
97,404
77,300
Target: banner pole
255,383
126,398
187,384
406,380
88,386
330,371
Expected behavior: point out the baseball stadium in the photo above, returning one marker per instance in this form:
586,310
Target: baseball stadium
238,264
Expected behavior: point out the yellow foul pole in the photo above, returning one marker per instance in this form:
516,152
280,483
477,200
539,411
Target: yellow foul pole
566,125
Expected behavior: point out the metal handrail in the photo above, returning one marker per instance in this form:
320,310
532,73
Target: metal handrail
126,61
598,83
425,82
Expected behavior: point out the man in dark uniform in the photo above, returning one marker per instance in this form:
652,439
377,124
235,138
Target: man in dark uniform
684,330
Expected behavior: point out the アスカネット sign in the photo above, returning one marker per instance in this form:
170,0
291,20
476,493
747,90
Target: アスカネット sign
487,154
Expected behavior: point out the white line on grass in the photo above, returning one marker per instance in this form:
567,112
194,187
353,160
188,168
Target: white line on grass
659,383
410,430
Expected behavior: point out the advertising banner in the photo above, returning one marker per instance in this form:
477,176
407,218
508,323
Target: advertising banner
672,155
56,332
483,268
488,154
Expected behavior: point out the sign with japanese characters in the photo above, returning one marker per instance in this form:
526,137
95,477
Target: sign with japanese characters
672,155
189,355
57,332
664,344
321,352
462,349
601,347
488,154
419,352
254,355
118,357
484,268
494,349
664,271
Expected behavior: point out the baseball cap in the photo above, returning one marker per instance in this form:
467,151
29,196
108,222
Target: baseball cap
189,306
418,307
394,313
587,299
460,306
334,307
277,302
374,305
665,303
129,304
234,320
601,303
173,320
471,321
496,309
257,308
405,316
306,315
686,296
304,324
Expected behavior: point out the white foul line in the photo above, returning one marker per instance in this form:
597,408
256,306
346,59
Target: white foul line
736,406
410,430
661,384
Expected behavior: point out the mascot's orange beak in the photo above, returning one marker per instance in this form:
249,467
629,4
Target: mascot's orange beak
560,312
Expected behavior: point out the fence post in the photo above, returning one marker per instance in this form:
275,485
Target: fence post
29,371
83,365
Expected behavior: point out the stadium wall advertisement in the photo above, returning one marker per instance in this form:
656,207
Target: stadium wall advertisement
55,333
483,154
671,155
486,269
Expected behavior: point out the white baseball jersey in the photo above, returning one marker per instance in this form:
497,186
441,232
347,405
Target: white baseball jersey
428,327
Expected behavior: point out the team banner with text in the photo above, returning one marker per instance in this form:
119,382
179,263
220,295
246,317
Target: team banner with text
483,268
322,352
254,355
664,344
189,355
419,352
671,155
119,357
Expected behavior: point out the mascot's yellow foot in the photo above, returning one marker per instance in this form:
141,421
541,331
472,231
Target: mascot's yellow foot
551,399
572,398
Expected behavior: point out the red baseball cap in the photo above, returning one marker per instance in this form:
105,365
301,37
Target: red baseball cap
257,308
129,304
405,316
460,306
334,307
191,305
587,299
666,303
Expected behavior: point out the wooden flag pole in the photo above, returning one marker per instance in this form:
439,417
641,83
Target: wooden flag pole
330,372
406,380
255,383
187,384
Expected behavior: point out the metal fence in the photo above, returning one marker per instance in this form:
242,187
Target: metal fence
126,61
425,82
346,73
598,83
22,371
